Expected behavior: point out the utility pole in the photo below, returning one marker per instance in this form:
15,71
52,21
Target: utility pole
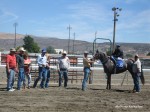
73,42
69,28
15,25
115,19
95,38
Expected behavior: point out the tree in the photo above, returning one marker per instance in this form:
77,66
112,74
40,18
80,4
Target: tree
30,45
148,54
51,50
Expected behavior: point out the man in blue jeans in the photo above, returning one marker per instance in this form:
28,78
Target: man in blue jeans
20,65
11,69
63,66
87,64
42,63
137,74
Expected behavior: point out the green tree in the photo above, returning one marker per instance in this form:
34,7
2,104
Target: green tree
30,45
51,50
148,54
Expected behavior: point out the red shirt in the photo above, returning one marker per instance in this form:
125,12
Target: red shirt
11,60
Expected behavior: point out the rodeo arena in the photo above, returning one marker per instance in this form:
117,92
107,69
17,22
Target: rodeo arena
99,96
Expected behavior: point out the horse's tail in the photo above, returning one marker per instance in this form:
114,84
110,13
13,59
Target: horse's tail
142,76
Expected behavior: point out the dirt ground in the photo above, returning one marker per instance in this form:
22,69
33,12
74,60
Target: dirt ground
72,99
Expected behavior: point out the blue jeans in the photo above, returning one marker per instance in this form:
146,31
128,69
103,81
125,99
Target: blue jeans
48,78
10,79
86,75
136,78
28,76
42,75
21,78
64,73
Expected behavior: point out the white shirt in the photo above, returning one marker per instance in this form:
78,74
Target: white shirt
42,60
64,63
138,63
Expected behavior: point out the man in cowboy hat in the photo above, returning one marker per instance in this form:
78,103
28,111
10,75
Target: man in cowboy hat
63,66
137,73
11,69
87,64
20,65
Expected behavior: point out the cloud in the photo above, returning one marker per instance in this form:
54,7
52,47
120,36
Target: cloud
6,16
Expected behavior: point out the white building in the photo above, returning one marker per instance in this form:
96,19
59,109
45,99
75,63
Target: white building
59,51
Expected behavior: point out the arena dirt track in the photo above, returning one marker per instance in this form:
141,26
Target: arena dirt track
59,99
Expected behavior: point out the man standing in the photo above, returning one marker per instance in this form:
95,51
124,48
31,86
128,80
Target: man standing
20,65
11,69
137,73
63,66
42,62
87,64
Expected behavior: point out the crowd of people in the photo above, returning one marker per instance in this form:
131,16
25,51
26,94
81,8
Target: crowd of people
20,63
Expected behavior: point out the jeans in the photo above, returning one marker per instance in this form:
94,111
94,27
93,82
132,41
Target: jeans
64,73
10,79
136,78
28,76
86,75
42,75
48,78
21,78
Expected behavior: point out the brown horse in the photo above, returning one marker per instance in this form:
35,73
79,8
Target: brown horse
110,68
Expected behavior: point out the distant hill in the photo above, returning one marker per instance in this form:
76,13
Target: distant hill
7,41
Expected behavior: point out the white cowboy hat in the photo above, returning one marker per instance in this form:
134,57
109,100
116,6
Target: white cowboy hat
64,52
136,55
86,52
13,49
21,49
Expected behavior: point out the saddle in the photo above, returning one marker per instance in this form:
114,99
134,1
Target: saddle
118,62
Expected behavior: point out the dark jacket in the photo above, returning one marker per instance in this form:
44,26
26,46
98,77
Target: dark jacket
118,53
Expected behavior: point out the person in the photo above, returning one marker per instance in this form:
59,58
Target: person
48,70
11,68
137,73
63,67
87,64
27,64
42,62
20,65
118,53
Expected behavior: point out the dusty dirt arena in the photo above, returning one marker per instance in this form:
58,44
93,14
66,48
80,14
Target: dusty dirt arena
72,99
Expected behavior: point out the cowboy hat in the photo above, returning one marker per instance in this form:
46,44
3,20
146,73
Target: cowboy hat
13,49
86,52
64,52
21,49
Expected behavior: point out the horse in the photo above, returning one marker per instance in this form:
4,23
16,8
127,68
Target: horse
110,67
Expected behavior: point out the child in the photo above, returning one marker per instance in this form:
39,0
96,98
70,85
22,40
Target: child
27,63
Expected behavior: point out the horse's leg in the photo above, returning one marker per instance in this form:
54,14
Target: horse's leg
107,81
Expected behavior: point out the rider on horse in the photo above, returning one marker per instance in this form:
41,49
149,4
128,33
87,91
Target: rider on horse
117,57
118,52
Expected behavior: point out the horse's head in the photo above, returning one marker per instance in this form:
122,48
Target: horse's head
100,56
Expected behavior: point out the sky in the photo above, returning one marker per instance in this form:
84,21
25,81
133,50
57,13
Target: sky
87,18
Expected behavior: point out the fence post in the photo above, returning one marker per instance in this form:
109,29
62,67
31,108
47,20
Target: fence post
0,58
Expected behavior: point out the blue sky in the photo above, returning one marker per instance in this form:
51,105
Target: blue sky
51,18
